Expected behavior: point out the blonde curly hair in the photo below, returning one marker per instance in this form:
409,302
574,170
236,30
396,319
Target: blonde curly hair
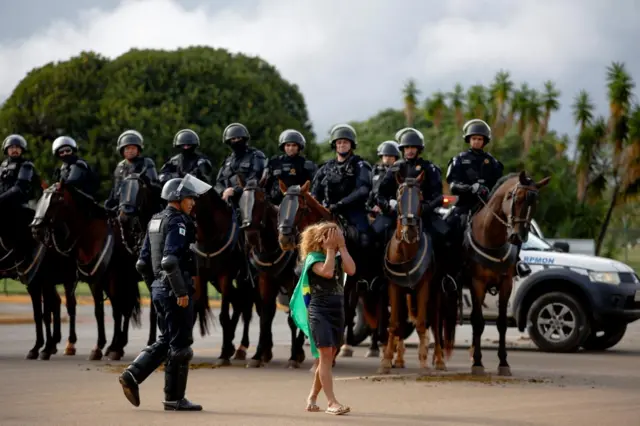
312,237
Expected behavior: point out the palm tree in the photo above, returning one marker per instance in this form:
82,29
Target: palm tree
518,106
549,104
590,139
619,87
631,162
500,91
411,93
435,107
582,115
457,103
477,102
531,116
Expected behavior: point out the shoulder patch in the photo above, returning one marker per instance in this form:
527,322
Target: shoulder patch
182,231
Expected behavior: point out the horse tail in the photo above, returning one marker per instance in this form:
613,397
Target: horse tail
449,308
411,311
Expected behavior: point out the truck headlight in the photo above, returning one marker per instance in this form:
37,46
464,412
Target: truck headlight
605,277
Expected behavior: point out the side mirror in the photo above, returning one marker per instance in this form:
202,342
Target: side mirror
561,246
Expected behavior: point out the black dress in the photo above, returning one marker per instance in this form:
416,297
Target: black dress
326,307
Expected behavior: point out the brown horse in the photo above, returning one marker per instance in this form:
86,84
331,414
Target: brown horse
40,270
102,261
138,202
298,210
491,247
409,268
220,260
274,267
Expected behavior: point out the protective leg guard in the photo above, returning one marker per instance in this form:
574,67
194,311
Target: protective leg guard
146,363
176,373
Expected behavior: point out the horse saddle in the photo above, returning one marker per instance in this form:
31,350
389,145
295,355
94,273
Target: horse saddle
408,273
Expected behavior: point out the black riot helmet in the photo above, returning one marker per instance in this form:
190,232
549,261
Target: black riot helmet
476,127
177,189
130,137
344,131
186,137
389,148
410,137
291,136
14,140
235,130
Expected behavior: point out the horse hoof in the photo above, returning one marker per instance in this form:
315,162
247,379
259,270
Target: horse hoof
108,352
240,354
96,355
293,364
116,355
32,354
45,356
398,364
384,370
346,352
372,353
504,371
70,351
223,362
53,350
301,357
254,363
441,366
477,370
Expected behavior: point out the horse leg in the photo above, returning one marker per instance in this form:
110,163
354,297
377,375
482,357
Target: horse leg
394,321
374,349
98,300
153,321
268,294
350,303
503,299
421,324
34,290
477,322
70,296
247,314
228,328
51,302
114,347
56,308
297,344
402,320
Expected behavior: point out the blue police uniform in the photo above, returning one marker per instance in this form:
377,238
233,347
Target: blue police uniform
167,262
188,161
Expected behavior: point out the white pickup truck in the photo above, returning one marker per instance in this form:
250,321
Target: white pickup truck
567,302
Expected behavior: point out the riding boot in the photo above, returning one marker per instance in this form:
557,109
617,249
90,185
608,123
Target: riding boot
522,269
175,385
146,363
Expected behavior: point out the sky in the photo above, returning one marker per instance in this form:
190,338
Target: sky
349,58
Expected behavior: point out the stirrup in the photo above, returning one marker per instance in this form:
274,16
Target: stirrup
522,269
446,288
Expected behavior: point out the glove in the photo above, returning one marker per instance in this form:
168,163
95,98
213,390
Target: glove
336,208
481,190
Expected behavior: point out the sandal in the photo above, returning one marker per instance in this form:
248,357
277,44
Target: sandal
338,410
312,407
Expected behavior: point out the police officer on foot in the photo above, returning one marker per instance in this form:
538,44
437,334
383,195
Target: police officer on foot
166,261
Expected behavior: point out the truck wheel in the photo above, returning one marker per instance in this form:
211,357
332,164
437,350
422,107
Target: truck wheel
610,337
557,323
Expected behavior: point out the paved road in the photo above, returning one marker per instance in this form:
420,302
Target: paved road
547,389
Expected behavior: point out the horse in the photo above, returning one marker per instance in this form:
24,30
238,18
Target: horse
491,247
138,202
274,266
220,260
101,259
409,267
39,269
298,210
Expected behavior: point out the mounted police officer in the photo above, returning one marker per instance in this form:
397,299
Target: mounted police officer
343,184
246,161
411,143
291,167
18,183
74,170
381,208
167,262
189,160
130,145
471,175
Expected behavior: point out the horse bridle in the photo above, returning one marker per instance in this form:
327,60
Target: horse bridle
531,195
287,221
408,219
135,220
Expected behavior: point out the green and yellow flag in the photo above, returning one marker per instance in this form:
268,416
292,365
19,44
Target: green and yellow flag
301,298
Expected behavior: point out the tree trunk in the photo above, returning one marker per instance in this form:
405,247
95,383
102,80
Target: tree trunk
607,218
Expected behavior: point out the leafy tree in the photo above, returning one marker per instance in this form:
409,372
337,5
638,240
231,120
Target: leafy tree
156,92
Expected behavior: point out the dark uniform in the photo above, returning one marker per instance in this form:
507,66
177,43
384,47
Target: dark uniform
167,263
411,168
74,170
471,176
188,161
245,161
18,184
385,219
127,167
291,170
343,184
